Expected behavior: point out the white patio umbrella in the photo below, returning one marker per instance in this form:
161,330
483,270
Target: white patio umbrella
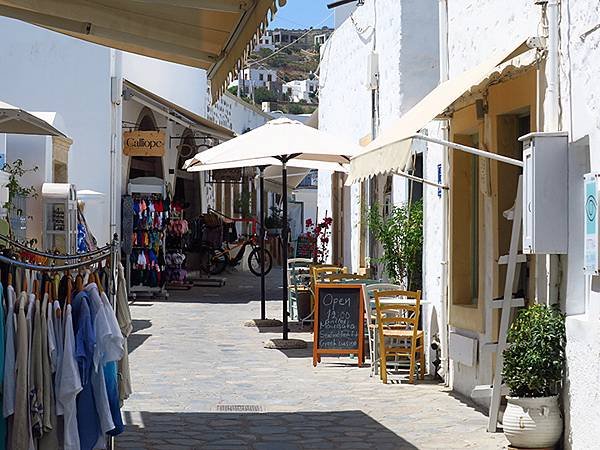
282,142
14,120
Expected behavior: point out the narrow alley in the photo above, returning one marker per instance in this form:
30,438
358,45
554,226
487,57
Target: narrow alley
203,380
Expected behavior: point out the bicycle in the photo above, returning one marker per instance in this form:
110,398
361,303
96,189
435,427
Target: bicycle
215,260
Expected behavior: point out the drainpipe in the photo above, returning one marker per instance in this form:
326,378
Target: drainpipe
444,371
551,101
551,121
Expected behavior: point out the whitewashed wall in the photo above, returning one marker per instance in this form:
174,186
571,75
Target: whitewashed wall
404,34
470,42
235,114
185,86
46,71
580,115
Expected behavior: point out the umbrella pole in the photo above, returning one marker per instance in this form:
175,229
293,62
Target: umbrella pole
261,196
284,238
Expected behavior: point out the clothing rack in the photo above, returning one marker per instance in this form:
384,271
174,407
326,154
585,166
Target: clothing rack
54,256
83,260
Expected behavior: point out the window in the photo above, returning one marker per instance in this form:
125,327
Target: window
465,223
261,77
269,77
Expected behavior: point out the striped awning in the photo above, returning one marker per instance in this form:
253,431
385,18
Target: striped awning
215,35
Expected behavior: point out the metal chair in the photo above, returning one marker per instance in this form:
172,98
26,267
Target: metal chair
298,273
398,321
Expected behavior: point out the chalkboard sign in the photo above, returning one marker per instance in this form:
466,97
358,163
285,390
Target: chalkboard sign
304,247
339,329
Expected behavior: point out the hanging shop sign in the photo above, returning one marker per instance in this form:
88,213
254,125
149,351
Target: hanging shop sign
227,175
144,143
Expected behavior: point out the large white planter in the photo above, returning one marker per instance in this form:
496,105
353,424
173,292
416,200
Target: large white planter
533,422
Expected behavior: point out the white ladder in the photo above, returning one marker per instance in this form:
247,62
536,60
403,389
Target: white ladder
506,304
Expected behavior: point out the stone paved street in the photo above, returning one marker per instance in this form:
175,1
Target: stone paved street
203,380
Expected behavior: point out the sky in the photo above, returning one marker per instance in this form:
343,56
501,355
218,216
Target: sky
303,14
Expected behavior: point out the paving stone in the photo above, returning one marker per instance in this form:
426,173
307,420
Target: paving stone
191,354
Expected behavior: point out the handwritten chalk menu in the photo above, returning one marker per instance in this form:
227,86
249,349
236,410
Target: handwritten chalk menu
339,312
304,247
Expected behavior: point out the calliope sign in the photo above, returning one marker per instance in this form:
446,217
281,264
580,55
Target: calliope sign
144,143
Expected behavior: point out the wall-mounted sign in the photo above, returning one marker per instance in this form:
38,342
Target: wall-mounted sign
590,208
144,143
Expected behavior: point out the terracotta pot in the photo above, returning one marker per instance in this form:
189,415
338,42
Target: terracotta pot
534,422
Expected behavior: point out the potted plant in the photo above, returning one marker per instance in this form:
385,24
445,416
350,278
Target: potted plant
274,222
534,365
400,234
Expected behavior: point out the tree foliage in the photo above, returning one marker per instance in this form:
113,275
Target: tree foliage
262,94
534,361
401,235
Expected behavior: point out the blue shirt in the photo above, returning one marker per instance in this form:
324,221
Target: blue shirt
88,423
2,419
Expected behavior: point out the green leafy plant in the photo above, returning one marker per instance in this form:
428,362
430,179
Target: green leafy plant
15,172
242,204
401,235
275,220
534,361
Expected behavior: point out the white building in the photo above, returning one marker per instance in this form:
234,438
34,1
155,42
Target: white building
83,83
407,51
236,114
266,41
256,76
301,90
510,89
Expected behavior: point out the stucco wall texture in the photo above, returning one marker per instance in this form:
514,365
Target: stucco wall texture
495,27
404,36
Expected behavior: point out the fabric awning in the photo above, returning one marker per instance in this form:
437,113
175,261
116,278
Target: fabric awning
207,126
210,34
390,151
14,120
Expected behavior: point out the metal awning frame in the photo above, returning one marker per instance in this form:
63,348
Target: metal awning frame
455,146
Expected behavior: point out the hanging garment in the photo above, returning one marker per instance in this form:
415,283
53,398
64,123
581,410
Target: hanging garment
87,418
70,385
49,440
126,326
2,351
8,393
112,354
102,337
36,394
21,432
60,329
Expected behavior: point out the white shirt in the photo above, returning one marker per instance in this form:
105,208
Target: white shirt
70,385
8,400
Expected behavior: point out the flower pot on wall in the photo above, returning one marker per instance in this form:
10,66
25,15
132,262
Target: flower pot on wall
532,422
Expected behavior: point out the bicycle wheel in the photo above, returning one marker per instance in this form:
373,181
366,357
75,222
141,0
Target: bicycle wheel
254,261
213,261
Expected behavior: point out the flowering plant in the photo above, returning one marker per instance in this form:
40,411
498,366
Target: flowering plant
319,236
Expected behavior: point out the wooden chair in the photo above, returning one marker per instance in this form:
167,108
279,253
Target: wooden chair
318,273
371,315
398,322
341,277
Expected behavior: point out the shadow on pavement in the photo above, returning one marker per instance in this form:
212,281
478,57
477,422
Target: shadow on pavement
257,431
